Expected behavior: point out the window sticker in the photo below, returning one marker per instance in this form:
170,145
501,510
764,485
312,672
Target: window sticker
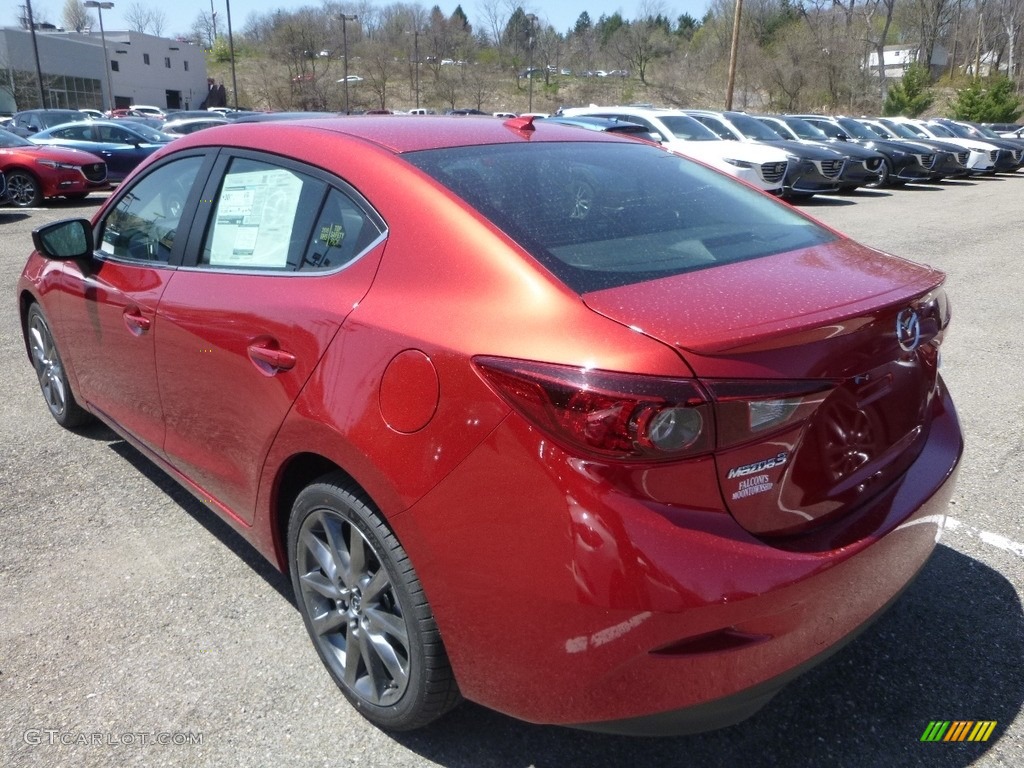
255,216
332,235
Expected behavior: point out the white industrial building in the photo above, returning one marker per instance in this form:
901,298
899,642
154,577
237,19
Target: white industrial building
143,69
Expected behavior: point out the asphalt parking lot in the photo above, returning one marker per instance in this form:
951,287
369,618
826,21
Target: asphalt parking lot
138,629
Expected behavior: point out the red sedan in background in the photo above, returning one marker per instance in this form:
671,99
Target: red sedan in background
546,418
35,172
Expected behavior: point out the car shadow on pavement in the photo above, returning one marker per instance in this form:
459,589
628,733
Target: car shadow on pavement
824,201
202,515
865,193
86,204
950,649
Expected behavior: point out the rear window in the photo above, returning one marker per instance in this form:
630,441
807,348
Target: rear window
603,215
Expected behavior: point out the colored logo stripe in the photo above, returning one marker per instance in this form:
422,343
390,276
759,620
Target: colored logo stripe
958,730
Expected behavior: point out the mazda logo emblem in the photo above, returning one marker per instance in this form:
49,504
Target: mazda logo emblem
908,330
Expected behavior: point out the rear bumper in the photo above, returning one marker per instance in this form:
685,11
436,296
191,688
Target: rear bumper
564,600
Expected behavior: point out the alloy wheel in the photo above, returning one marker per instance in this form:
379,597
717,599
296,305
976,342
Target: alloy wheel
48,366
357,621
23,190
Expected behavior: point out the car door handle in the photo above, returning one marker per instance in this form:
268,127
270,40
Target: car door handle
136,322
266,357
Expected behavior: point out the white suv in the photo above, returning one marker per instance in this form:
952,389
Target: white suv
761,166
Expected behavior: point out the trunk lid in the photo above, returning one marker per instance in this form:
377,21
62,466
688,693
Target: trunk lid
822,364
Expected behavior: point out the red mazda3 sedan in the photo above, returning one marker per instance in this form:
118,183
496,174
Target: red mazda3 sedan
552,420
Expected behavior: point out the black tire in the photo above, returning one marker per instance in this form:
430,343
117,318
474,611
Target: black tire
355,586
23,189
53,381
884,173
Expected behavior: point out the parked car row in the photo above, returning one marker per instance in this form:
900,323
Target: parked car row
798,156
48,153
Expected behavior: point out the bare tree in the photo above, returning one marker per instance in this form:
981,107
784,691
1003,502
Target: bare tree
639,43
877,21
75,16
1011,18
145,19
203,29
932,18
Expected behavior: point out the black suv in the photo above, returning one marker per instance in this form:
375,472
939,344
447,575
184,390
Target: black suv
31,121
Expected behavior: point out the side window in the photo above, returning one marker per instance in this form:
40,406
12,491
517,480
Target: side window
341,233
79,132
113,133
717,127
143,224
651,127
271,218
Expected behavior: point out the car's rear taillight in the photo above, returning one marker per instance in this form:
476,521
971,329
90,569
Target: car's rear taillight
747,410
631,416
616,415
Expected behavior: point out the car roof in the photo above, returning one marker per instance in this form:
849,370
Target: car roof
48,112
91,123
409,133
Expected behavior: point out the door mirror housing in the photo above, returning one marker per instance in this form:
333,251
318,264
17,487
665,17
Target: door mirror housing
64,240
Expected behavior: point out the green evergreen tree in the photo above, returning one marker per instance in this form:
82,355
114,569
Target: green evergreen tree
996,102
583,24
912,95
686,26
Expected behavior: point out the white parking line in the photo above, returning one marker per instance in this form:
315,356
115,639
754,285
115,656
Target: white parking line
993,539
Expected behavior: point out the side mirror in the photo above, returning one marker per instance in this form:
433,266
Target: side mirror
65,240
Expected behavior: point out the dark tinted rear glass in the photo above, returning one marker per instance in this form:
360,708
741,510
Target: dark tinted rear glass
602,215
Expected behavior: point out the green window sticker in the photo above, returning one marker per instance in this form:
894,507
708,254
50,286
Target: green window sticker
332,235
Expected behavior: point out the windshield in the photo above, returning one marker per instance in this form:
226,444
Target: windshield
753,129
943,131
984,130
879,129
901,130
855,129
8,140
956,130
778,127
149,134
686,128
605,214
805,130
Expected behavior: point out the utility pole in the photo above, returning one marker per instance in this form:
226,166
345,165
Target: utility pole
977,49
35,50
532,18
344,51
733,54
231,50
